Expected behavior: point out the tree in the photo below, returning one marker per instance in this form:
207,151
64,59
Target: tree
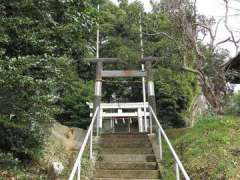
119,37
41,44
197,57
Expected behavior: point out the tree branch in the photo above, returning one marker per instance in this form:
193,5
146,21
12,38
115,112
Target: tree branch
227,27
223,41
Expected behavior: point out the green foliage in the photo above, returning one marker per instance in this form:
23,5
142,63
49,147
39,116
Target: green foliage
74,103
210,150
233,105
237,103
174,93
30,89
119,30
41,47
12,168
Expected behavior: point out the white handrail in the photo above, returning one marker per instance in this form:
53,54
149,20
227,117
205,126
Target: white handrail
77,165
175,156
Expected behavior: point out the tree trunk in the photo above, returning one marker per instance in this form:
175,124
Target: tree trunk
213,99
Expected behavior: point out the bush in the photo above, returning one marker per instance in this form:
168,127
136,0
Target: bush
37,51
173,96
233,105
30,88
75,111
236,103
23,142
207,117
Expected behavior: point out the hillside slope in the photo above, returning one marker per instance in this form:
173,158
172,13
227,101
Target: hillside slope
210,150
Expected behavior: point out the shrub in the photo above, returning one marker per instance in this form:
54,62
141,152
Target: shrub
30,88
23,142
236,102
75,111
233,105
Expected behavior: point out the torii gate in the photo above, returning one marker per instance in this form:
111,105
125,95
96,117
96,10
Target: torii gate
101,73
134,111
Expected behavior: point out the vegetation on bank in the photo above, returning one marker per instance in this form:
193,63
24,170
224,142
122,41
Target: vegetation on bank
13,168
209,150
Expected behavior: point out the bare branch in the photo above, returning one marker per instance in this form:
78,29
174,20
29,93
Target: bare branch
212,36
217,26
223,41
227,27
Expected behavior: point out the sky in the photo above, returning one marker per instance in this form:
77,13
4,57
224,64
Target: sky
216,9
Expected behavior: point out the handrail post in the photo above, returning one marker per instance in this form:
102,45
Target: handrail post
91,145
98,120
79,170
178,163
77,164
150,123
177,171
129,126
97,125
160,144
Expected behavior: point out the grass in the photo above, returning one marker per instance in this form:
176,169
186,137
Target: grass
210,150
12,168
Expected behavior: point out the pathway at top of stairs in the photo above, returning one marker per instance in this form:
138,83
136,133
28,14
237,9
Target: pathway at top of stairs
126,156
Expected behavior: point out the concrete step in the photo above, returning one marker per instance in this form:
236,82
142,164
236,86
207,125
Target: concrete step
126,165
121,179
116,144
123,139
127,158
136,174
126,150
138,135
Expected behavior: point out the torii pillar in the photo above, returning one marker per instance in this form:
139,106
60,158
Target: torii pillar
150,81
150,85
98,94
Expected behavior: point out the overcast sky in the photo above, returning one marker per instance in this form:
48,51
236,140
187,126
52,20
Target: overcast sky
216,9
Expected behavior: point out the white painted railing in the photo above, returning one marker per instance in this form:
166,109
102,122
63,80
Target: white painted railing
76,171
178,164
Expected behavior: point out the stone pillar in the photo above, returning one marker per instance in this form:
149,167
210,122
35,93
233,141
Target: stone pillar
140,120
98,94
150,85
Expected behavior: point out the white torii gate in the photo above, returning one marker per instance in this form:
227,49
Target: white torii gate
137,111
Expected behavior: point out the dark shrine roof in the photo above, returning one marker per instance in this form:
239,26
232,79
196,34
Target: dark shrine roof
233,64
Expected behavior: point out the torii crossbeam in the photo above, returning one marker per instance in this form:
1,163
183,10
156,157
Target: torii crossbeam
101,73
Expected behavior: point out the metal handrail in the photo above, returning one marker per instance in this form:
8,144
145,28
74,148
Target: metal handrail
178,163
77,164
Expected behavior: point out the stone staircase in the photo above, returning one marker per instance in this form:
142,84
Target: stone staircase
125,156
